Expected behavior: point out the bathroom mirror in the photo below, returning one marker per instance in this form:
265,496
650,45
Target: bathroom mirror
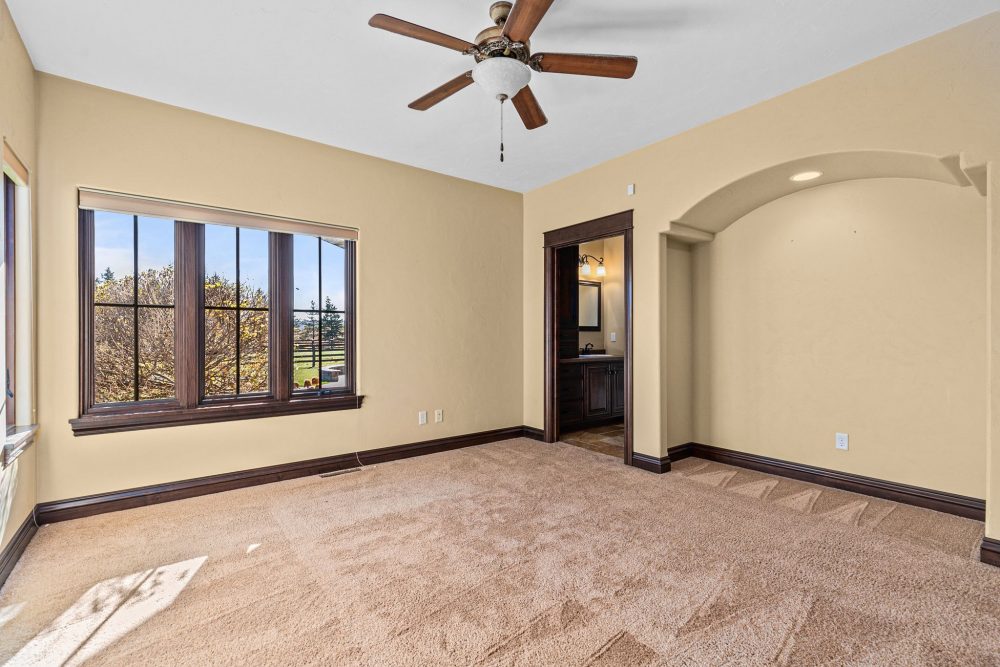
590,306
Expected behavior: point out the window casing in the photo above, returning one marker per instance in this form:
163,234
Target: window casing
241,369
10,301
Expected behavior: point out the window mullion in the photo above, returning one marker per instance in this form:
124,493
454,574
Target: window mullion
86,261
282,290
189,281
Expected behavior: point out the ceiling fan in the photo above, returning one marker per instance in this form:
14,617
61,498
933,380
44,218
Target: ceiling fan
504,61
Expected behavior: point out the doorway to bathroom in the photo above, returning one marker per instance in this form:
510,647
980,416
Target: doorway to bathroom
588,335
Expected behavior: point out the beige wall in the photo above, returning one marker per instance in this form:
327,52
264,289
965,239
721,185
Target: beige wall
679,346
858,307
17,126
439,286
939,96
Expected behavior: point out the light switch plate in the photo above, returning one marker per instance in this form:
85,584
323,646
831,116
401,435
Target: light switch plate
438,416
842,441
421,417
631,189
614,337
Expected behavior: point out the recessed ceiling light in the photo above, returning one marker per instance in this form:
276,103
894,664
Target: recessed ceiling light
806,176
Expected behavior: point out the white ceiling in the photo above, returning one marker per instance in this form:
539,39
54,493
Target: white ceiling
314,69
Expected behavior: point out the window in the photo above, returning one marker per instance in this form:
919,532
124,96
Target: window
236,311
10,300
187,322
133,308
319,341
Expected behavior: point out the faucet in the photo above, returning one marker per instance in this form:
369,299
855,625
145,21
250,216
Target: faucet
587,348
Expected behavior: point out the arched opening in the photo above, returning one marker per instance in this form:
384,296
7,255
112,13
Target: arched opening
855,302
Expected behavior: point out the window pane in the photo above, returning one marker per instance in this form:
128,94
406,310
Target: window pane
156,353
114,263
333,368
156,261
114,354
220,265
253,268
220,352
305,350
306,272
253,352
333,276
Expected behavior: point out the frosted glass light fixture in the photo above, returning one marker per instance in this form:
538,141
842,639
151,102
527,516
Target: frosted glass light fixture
501,77
584,263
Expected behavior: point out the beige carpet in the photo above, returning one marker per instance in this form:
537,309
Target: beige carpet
511,553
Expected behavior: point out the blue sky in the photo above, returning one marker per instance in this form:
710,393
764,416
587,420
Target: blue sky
113,248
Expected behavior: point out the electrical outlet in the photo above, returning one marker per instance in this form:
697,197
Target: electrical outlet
421,417
438,416
842,441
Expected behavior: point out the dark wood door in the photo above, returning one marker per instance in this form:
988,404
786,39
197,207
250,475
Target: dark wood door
617,389
597,402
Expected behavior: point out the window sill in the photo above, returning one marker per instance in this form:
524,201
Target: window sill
96,423
19,438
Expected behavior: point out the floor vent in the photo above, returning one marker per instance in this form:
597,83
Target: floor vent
335,473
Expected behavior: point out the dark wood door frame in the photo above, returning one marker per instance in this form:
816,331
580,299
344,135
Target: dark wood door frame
619,224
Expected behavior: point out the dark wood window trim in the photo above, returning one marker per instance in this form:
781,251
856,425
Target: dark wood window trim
10,306
190,405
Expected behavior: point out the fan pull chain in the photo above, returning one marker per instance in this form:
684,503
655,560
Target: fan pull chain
502,100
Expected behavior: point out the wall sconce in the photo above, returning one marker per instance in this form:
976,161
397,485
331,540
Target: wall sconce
585,265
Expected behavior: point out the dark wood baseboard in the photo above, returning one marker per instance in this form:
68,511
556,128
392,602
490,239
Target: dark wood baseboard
941,501
533,433
651,463
989,552
75,508
12,552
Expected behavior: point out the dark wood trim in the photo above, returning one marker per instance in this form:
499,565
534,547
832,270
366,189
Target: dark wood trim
114,422
651,463
282,299
989,552
629,316
350,295
533,433
612,225
18,543
85,262
101,503
189,281
940,501
609,225
551,408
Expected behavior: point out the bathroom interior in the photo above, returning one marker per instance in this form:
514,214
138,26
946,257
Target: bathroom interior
591,384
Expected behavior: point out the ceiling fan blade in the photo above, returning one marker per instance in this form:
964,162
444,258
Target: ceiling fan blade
528,109
617,67
524,18
407,29
442,92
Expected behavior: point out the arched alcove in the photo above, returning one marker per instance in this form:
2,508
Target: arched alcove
739,200
724,206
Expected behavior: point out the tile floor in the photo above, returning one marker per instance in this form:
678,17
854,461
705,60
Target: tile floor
608,439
